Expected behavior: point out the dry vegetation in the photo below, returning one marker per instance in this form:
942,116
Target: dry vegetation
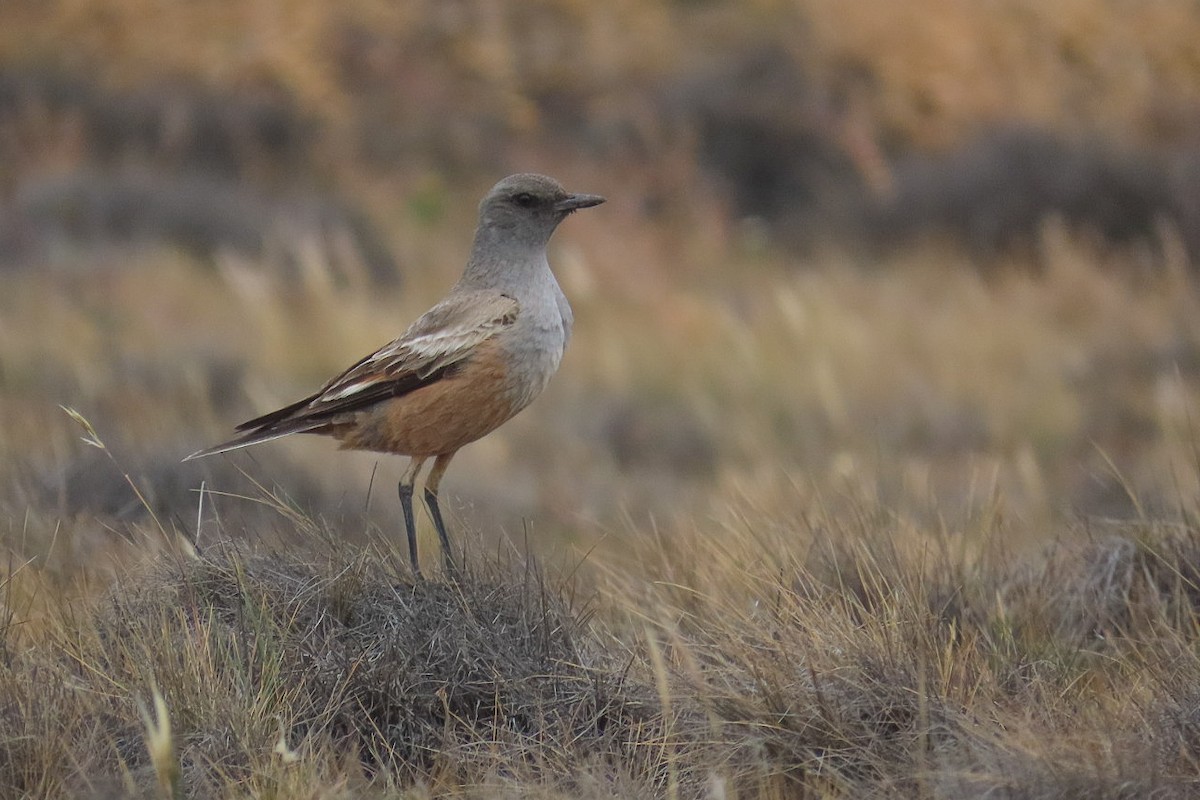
801,516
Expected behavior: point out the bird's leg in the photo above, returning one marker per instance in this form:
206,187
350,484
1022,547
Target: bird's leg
431,500
407,482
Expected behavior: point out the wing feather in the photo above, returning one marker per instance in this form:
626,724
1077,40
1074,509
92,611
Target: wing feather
443,337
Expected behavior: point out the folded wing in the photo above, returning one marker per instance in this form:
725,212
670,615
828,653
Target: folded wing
432,347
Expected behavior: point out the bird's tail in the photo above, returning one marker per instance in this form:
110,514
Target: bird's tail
282,422
258,436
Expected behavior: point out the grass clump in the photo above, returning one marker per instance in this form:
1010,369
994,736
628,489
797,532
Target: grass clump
841,655
281,670
859,655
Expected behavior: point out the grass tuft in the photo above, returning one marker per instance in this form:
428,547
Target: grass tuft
272,663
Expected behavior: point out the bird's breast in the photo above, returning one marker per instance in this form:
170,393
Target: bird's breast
535,349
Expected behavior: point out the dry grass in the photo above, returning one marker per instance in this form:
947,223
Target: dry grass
281,674
836,581
921,523
946,559
831,656
1081,61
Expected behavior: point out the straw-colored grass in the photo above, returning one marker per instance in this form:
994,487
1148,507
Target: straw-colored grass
783,525
916,532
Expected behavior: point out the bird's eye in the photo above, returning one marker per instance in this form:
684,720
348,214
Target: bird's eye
525,200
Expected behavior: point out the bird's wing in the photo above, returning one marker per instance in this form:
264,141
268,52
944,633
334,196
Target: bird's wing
443,337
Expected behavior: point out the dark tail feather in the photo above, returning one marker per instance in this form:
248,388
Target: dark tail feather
258,423
302,417
261,435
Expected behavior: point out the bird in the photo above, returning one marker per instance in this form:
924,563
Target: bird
464,367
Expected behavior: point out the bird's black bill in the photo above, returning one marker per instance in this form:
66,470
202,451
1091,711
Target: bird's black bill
574,202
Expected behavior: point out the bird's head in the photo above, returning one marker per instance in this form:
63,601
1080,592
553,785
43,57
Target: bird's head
530,206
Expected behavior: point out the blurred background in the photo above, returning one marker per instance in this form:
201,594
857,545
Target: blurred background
934,257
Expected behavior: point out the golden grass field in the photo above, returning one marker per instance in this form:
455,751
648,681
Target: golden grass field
819,524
